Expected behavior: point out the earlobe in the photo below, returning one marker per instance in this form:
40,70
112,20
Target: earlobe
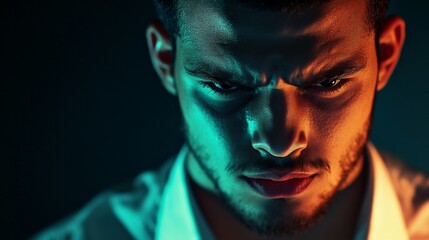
161,54
390,43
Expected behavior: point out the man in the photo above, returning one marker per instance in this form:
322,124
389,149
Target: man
277,100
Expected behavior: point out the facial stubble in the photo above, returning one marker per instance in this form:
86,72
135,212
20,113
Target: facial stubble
278,225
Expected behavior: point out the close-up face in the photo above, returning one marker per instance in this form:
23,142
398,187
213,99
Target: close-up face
267,94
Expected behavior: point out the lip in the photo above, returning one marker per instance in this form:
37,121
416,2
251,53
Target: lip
274,185
274,175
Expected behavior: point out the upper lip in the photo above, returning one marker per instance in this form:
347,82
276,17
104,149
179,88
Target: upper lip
279,175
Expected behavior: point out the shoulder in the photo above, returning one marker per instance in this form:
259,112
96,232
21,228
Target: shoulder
115,214
412,190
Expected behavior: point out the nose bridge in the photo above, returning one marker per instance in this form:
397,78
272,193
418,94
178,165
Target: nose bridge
278,124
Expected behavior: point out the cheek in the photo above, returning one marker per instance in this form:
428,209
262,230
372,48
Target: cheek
218,133
343,123
207,119
334,130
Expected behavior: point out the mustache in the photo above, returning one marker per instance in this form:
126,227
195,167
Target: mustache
264,164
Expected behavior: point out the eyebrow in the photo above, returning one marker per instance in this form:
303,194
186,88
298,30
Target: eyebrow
342,69
216,73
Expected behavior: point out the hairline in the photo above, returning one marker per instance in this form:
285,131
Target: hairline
174,24
369,26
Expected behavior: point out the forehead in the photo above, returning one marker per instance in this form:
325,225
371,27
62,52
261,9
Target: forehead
235,34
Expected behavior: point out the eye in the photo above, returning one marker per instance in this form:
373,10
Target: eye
328,83
329,87
224,86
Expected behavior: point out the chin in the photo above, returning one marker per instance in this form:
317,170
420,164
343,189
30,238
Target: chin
278,217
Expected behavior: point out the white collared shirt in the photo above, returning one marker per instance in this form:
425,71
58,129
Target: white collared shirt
178,214
159,205
381,216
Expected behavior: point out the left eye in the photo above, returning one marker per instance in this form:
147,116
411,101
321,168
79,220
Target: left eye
328,83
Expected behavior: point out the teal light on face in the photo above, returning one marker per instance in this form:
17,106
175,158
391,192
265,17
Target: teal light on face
242,121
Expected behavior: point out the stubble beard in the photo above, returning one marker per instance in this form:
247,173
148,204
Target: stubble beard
281,225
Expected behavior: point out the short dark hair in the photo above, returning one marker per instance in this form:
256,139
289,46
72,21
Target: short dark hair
376,10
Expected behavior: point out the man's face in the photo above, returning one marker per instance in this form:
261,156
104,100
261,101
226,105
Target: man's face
267,96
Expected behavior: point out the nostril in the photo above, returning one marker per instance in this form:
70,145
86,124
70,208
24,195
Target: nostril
280,150
260,147
263,150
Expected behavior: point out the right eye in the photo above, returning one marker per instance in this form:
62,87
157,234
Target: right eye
221,88
224,86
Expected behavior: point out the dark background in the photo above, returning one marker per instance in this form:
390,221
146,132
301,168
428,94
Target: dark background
82,109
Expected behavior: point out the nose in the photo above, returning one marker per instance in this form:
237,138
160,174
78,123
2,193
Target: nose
278,124
280,149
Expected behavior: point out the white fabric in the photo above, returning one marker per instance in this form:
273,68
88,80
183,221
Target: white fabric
160,205
175,216
386,220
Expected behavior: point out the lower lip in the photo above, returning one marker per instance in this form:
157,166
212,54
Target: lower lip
279,189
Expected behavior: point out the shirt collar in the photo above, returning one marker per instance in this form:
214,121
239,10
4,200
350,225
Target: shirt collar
381,216
179,216
385,220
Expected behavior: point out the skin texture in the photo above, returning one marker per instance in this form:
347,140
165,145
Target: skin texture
264,91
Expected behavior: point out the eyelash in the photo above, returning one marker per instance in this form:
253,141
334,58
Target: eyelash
327,91
210,85
343,82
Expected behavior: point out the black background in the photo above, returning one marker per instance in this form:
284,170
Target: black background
82,109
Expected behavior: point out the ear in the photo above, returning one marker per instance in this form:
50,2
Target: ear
390,43
161,54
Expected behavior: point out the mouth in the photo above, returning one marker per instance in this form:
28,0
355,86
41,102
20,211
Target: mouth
275,185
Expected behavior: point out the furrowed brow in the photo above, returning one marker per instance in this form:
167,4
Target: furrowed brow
214,73
343,69
340,71
207,71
